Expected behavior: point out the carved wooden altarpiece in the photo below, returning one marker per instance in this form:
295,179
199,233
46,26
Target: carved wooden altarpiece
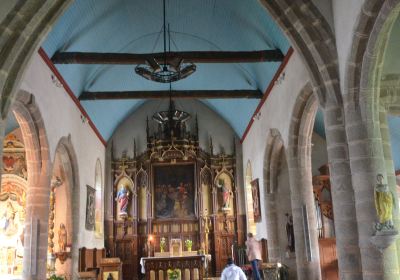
174,193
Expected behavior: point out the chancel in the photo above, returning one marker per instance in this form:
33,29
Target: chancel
196,139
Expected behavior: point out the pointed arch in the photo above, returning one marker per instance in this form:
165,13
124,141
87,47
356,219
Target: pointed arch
65,156
38,162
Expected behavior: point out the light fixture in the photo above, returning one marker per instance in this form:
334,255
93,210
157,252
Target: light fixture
170,69
171,122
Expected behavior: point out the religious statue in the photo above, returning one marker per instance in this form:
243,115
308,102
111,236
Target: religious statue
226,193
62,238
7,223
290,232
123,200
384,202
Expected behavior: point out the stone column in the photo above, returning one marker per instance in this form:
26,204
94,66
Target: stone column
302,195
342,193
37,215
272,228
366,161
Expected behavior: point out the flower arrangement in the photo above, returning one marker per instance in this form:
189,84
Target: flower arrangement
174,274
189,244
55,277
163,244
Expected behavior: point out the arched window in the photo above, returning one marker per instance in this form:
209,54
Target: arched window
251,225
98,184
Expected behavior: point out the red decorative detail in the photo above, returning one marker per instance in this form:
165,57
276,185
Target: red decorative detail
50,64
268,91
9,162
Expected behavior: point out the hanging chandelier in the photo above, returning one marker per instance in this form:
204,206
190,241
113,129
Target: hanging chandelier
169,69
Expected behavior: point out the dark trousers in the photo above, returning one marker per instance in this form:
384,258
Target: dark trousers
256,272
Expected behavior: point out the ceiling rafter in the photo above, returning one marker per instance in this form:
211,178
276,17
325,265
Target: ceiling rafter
157,94
193,56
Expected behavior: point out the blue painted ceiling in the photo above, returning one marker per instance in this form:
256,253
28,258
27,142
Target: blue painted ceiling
135,25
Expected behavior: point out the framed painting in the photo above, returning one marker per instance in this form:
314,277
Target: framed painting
174,191
90,208
255,193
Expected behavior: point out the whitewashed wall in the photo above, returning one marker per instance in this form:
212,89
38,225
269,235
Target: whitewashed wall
61,118
275,113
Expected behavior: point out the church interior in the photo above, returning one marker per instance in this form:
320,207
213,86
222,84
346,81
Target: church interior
152,139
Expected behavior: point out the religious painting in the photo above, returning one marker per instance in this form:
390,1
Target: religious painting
174,191
255,193
90,207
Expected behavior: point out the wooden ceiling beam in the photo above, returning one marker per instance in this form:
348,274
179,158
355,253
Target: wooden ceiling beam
192,56
204,94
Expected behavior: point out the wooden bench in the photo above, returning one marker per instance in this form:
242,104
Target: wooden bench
89,263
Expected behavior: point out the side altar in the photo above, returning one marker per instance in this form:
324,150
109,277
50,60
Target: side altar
174,190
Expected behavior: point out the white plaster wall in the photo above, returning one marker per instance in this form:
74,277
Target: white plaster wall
62,118
345,16
275,113
319,153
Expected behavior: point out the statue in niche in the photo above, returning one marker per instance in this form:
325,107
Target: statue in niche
290,232
384,201
226,194
123,200
62,238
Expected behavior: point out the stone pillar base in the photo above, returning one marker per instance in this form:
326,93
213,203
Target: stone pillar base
383,239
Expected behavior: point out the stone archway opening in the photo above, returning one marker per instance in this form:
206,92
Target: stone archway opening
33,132
64,212
12,201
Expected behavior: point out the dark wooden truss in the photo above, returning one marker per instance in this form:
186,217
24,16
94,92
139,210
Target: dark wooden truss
205,94
193,56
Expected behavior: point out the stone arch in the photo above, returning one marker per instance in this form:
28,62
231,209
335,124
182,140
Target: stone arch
367,126
251,225
69,163
300,176
22,30
272,158
371,22
312,37
33,131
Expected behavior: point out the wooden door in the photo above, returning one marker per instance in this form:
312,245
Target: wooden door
328,259
125,251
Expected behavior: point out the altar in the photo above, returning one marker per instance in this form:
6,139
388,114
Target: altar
166,268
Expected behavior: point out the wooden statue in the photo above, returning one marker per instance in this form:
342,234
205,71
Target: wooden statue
62,238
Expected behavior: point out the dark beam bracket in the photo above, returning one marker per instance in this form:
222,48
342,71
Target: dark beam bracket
193,56
204,94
